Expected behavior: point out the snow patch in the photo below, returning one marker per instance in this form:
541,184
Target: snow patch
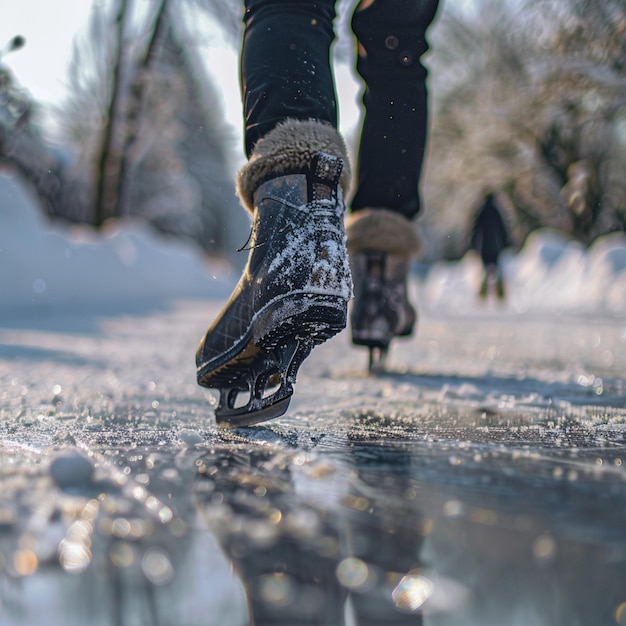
551,274
48,266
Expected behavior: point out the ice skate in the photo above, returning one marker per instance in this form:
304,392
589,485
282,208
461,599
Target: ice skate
294,292
381,245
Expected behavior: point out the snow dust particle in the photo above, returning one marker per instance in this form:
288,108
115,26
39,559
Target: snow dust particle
121,554
277,589
453,508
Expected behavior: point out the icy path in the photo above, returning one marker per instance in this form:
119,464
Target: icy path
490,456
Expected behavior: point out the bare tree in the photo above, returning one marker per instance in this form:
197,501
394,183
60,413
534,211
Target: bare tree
142,131
136,105
20,142
106,200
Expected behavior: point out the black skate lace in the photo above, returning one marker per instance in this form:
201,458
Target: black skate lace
246,242
247,248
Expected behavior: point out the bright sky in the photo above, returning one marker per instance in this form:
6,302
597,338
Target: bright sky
49,29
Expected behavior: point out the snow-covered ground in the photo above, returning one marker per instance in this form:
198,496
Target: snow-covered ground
491,452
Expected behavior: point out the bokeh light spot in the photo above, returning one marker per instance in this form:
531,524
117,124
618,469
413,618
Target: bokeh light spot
353,573
122,554
620,614
277,589
544,547
25,562
411,592
157,567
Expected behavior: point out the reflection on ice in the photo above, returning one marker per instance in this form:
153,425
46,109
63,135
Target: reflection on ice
406,537
348,549
366,531
444,516
101,552
75,548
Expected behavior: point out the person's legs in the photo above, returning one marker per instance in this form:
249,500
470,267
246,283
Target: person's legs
381,239
295,289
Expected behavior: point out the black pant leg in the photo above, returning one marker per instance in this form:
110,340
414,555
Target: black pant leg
392,40
285,64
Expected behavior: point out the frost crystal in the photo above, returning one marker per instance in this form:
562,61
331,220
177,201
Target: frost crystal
315,247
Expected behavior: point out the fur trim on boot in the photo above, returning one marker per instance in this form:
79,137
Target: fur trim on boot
381,230
288,149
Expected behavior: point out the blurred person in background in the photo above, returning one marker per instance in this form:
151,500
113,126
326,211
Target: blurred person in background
489,238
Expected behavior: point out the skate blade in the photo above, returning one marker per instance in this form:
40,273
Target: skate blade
257,384
248,416
266,387
377,350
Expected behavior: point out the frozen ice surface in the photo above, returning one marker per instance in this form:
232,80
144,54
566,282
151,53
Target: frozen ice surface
480,481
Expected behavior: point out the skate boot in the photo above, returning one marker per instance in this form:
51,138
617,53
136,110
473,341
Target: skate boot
381,244
294,291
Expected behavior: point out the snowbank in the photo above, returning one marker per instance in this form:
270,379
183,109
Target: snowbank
551,274
50,267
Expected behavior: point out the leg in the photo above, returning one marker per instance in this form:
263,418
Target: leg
392,39
285,64
295,289
381,239
500,287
